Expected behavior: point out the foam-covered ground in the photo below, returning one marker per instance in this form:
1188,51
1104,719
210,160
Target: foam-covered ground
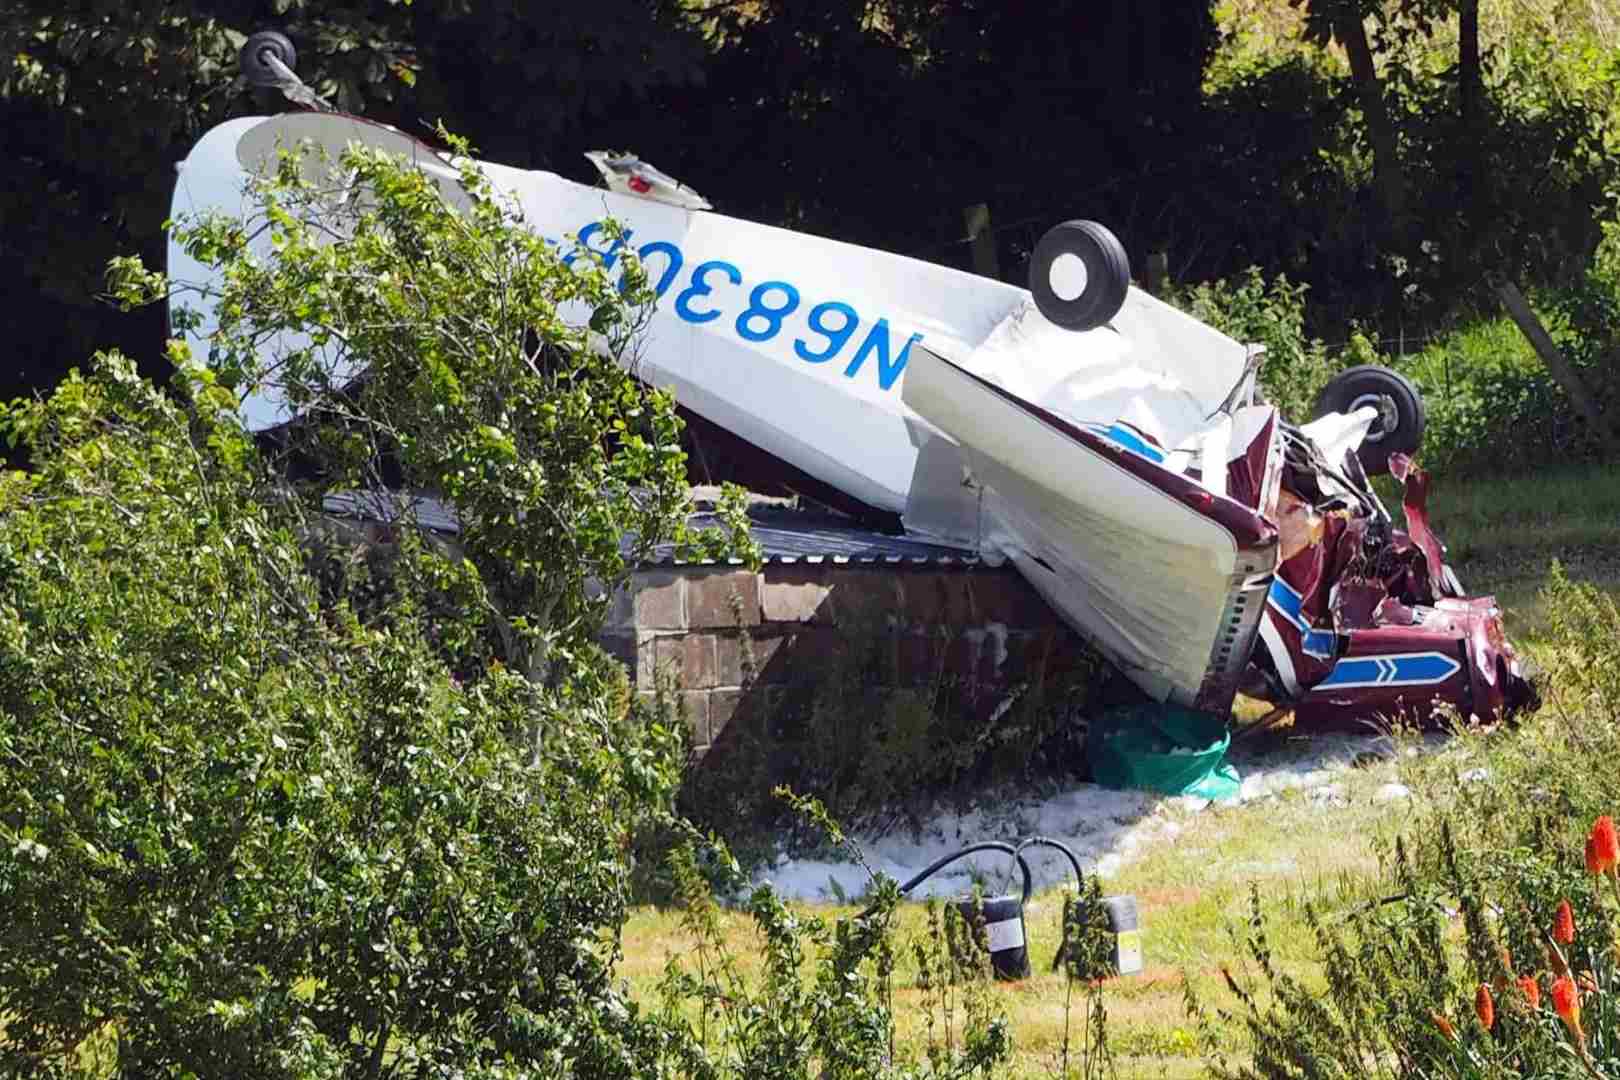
1103,827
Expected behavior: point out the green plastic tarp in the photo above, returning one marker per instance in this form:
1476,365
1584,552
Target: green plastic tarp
1164,748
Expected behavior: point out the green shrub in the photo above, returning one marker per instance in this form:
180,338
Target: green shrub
1493,405
279,802
245,834
275,803
1470,911
1288,183
823,1004
1270,313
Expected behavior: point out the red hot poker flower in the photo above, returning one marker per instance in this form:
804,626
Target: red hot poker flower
1605,844
1567,1001
1531,990
1564,924
1485,1007
1593,864
1444,1025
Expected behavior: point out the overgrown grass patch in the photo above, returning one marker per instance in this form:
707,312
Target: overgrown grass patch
1488,893
1503,531
1190,893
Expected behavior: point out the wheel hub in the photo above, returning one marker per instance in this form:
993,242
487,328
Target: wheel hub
1388,414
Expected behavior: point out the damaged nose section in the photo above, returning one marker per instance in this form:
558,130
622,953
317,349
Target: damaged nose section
1499,686
1367,623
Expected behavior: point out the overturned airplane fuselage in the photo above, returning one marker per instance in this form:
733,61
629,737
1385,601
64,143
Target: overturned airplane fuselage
1111,446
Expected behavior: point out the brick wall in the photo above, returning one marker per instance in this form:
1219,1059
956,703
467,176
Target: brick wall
709,626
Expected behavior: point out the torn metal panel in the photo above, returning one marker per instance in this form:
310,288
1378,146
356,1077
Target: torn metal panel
1366,621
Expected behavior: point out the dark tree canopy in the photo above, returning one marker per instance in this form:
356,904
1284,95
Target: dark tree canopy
100,99
879,123
871,120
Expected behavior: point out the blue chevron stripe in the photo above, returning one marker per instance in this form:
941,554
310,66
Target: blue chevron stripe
1398,669
1317,643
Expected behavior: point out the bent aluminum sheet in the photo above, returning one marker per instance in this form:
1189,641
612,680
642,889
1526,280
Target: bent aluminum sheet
1165,576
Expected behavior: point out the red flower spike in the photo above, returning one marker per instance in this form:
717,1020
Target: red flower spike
1485,1007
1564,924
1593,864
1605,844
1567,1001
1531,990
1444,1025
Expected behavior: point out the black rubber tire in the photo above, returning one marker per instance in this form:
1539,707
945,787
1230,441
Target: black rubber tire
253,53
1399,428
1108,275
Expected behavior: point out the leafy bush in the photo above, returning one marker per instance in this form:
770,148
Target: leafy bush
1494,921
245,834
1493,405
1591,313
1498,412
282,800
823,1005
1270,313
279,803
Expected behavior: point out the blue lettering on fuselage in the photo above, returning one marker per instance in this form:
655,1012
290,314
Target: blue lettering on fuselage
832,324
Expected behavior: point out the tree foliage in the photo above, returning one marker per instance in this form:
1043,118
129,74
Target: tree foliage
1450,148
280,802
873,122
100,100
877,121
496,376
244,831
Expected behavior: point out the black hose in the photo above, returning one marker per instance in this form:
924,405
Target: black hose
1017,852
1047,841
987,845
1079,884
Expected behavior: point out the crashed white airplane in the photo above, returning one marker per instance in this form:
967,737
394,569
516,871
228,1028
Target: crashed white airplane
1112,447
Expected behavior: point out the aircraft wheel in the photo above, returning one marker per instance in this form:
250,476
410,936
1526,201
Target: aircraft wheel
255,52
1080,275
1401,415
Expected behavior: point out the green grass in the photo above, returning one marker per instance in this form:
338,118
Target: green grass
1190,893
1489,343
1502,532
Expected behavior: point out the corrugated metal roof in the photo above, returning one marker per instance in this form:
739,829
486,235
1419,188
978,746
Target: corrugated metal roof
786,535
789,536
